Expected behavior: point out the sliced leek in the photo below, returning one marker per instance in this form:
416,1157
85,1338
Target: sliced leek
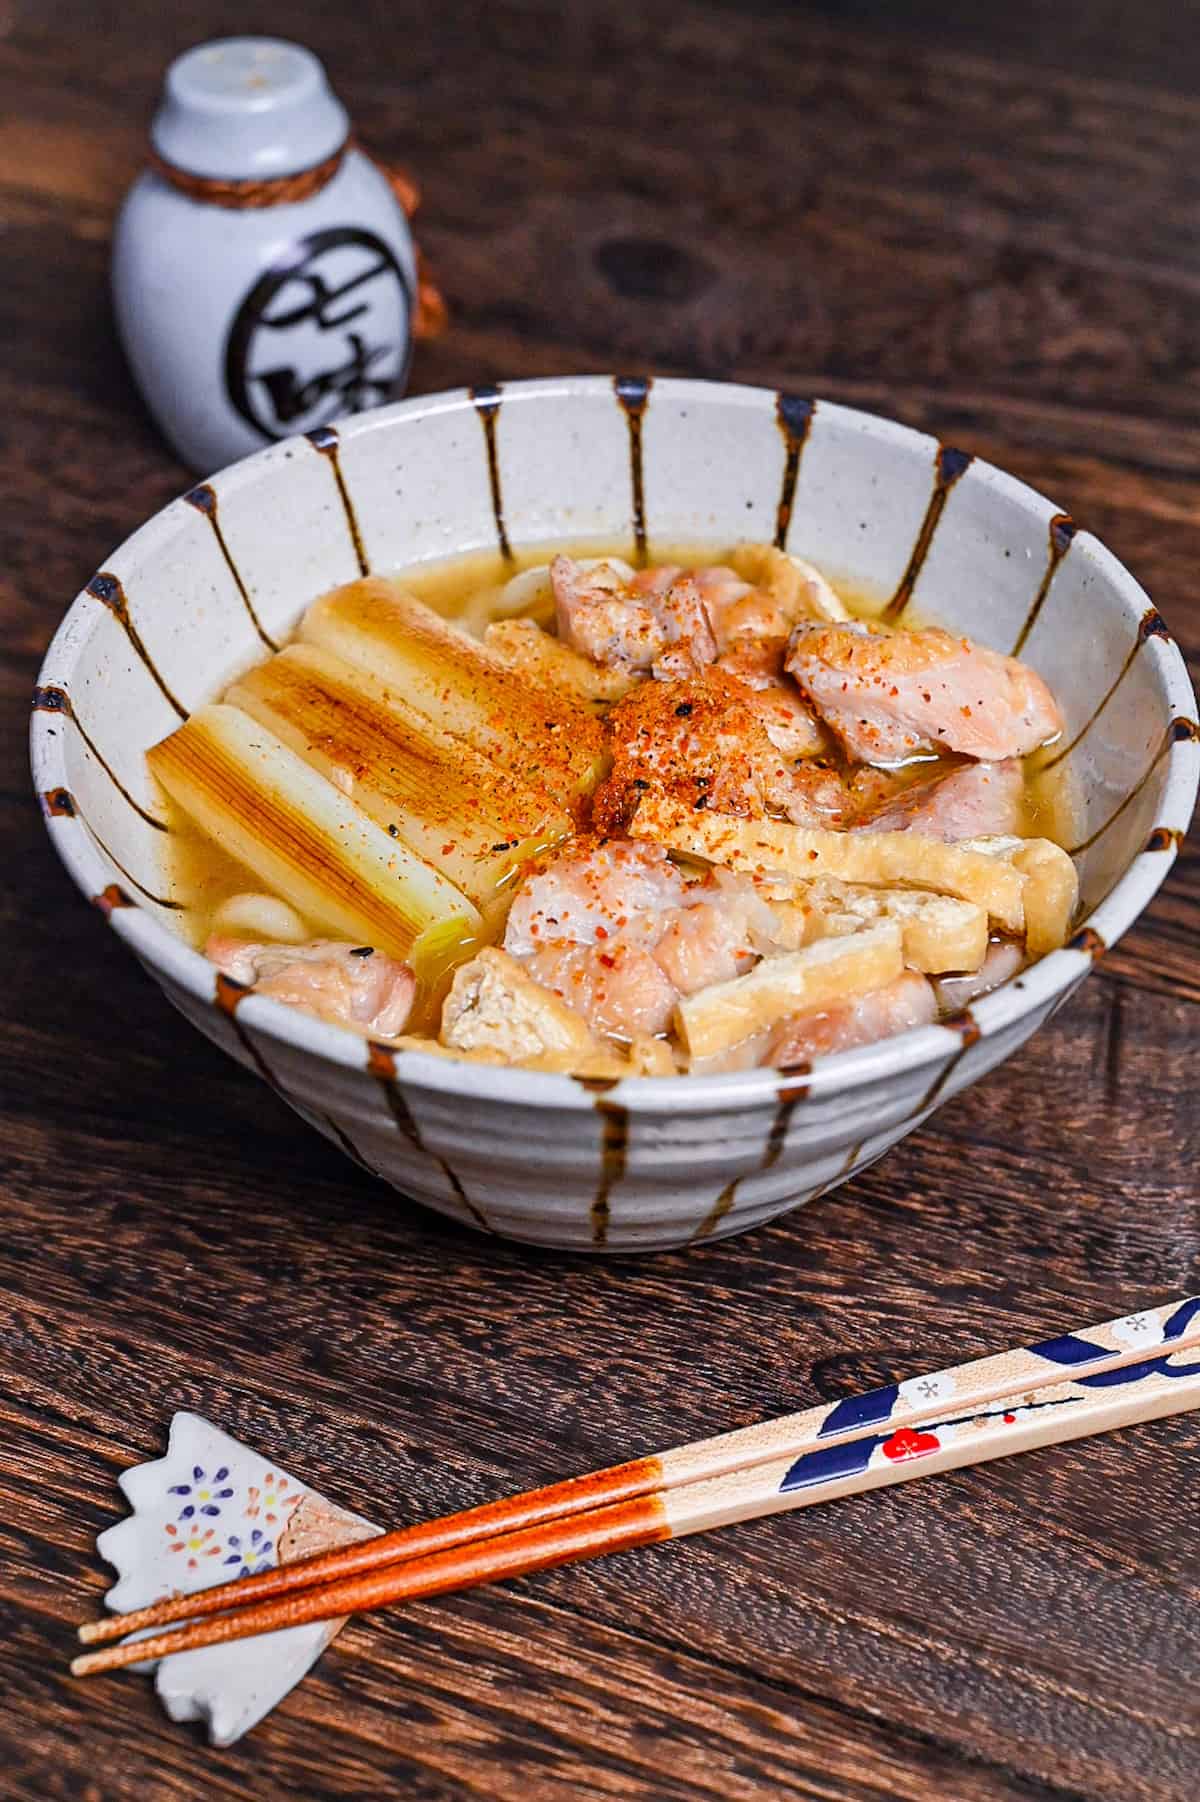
538,733
465,816
300,836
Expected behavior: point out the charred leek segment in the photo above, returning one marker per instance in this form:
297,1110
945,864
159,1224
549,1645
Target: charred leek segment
456,810
302,838
537,733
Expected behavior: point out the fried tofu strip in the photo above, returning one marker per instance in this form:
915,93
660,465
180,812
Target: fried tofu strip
834,969
940,932
460,813
302,838
495,1006
539,657
643,1056
1051,894
540,734
1051,886
875,859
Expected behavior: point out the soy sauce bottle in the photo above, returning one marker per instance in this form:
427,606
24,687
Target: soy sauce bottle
264,274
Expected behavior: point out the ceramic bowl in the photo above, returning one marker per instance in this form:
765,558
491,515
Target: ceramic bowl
225,571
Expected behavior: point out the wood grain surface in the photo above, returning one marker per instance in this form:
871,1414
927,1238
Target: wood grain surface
985,221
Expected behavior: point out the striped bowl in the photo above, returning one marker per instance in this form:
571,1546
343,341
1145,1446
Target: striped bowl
222,574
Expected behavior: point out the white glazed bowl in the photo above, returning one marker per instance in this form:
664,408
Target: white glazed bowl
653,1161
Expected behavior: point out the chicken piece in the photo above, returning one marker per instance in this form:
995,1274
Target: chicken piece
717,935
890,695
799,587
726,594
496,1007
620,990
751,617
691,642
614,930
766,595
757,662
788,721
701,743
786,590
872,789
657,621
530,594
349,985
598,617
541,658
594,892
907,1001
790,724
977,800
650,584
698,741
681,605
814,796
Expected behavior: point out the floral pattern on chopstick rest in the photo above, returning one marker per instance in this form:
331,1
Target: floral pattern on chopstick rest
213,1509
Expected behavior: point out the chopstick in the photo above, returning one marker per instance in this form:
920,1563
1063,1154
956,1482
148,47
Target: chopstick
973,1384
1059,1389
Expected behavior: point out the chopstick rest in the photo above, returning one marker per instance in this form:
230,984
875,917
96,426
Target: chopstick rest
210,1510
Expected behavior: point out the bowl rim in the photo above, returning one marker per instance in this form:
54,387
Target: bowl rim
1038,986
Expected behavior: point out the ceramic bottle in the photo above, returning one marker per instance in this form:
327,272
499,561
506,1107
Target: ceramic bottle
264,275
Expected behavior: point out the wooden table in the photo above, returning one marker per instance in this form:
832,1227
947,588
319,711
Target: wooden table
987,224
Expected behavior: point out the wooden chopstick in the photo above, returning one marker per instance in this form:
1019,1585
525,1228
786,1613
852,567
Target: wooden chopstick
790,1462
981,1381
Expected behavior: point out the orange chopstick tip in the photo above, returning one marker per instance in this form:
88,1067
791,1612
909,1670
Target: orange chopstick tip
574,1496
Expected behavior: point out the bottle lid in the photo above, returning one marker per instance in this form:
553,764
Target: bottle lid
248,109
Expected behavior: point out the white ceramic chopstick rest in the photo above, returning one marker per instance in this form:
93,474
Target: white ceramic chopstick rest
213,1509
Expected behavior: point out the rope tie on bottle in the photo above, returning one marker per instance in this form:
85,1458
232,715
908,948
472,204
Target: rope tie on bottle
430,318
